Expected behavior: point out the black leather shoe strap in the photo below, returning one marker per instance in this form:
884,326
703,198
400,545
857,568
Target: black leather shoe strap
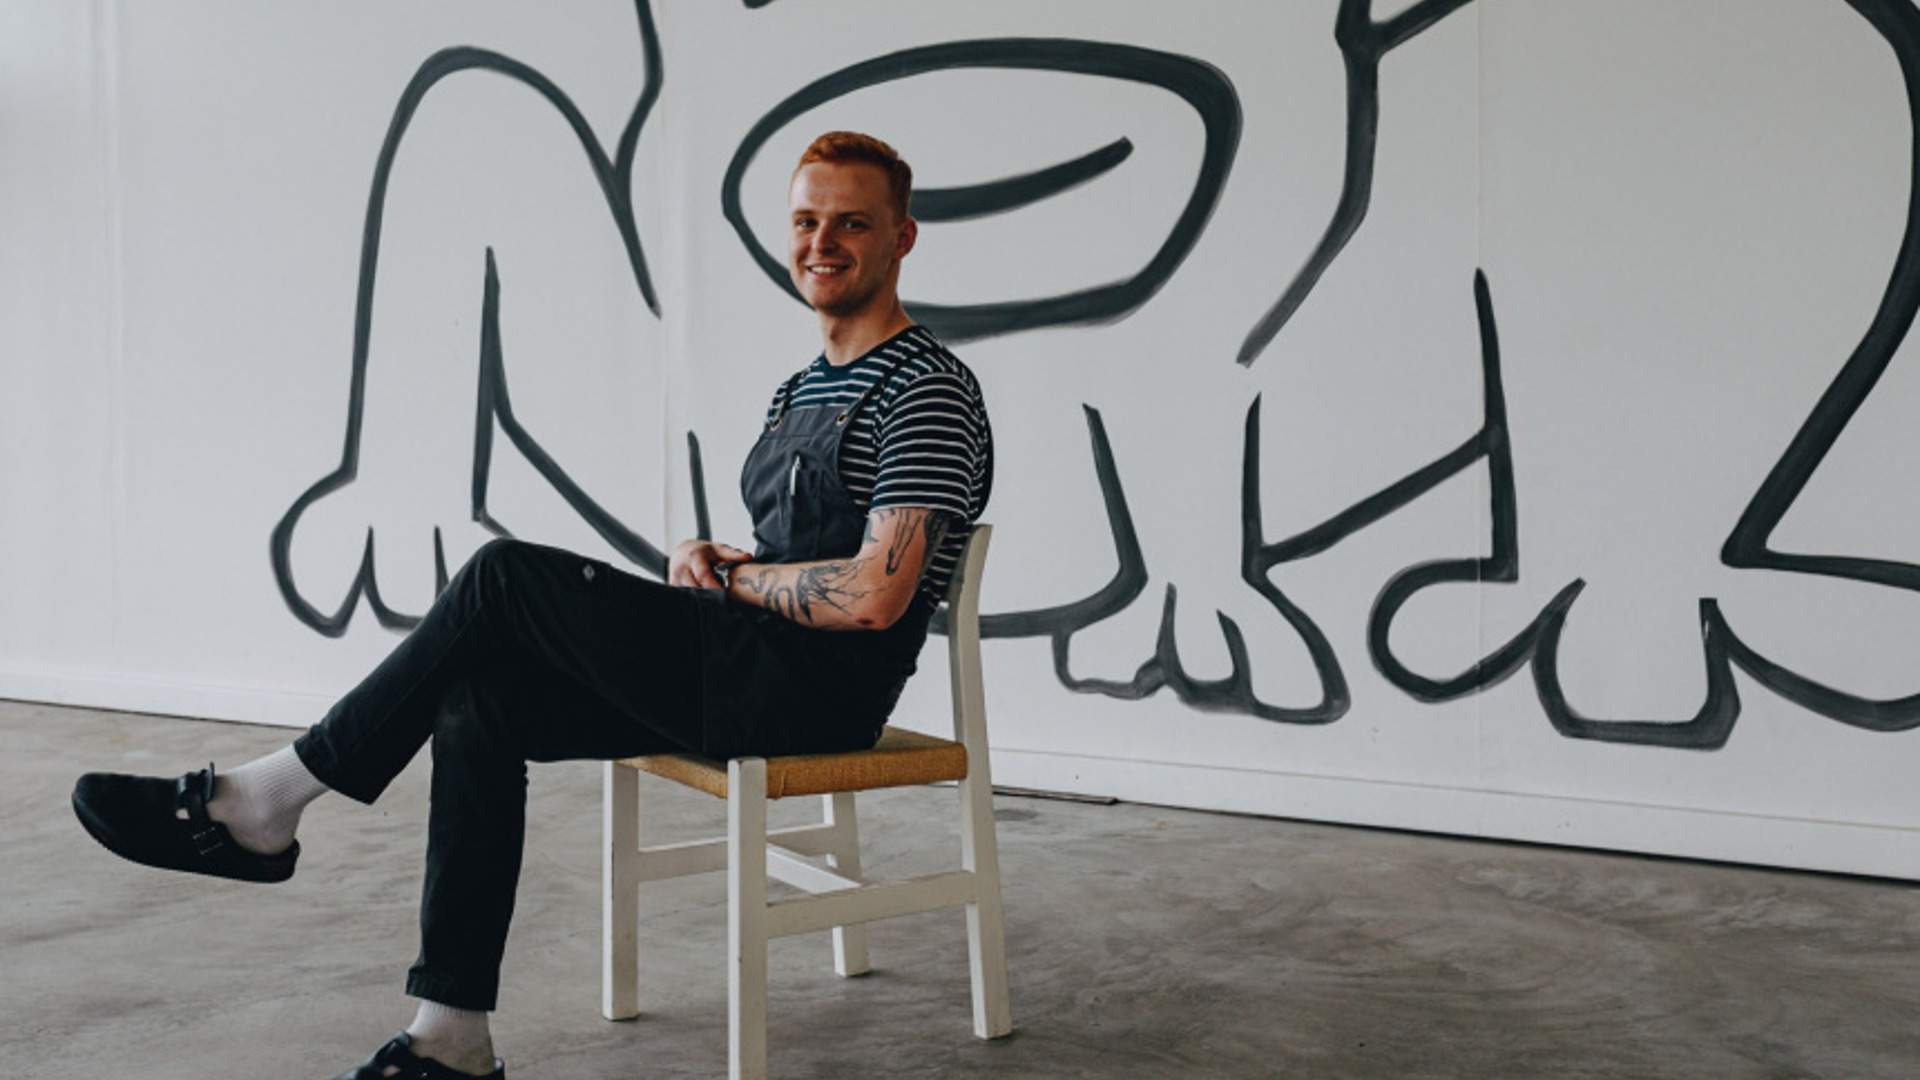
398,1053
192,791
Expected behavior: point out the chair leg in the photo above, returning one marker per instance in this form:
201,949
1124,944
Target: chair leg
619,893
986,931
747,918
849,942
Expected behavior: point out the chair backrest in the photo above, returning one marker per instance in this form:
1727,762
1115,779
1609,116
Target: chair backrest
965,583
963,645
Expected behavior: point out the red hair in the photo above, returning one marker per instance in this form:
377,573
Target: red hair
844,147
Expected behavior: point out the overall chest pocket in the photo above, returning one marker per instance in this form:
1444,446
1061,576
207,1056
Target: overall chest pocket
807,488
801,507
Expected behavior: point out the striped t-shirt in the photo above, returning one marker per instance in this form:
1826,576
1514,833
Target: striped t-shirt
921,440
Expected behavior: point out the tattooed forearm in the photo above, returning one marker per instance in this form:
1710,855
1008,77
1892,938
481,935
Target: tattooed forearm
805,592
866,591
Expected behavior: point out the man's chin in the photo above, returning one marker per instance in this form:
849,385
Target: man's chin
838,306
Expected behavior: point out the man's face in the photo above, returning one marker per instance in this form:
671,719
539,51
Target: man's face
844,244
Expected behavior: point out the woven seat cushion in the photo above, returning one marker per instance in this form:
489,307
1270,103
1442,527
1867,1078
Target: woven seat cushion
900,758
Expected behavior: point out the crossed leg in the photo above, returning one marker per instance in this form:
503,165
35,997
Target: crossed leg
532,653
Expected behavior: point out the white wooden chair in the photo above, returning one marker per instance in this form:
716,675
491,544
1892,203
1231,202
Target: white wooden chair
838,896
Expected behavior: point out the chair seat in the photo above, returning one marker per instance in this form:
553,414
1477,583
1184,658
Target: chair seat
899,759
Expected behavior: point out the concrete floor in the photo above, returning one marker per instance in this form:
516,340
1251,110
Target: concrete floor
1144,942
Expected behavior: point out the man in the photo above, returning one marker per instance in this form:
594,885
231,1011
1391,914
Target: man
874,463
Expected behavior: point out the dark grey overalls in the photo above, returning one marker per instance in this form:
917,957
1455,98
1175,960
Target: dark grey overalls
534,653
802,511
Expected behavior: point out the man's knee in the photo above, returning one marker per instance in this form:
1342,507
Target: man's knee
472,721
487,576
498,551
507,559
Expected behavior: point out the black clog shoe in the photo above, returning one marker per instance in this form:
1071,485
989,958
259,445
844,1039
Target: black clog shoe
398,1052
138,818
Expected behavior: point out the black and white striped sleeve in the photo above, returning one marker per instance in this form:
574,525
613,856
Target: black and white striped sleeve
930,445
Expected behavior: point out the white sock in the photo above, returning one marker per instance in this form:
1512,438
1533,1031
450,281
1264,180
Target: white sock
458,1038
260,802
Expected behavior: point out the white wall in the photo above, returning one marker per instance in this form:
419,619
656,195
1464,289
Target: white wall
1687,215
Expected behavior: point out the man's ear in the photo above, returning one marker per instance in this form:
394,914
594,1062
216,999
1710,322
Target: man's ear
909,232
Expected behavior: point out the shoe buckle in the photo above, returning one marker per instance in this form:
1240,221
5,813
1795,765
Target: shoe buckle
207,840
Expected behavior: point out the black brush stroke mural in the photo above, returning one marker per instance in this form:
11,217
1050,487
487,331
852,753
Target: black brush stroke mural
1493,444
1707,729
1747,545
1011,193
614,175
1164,669
1898,23
1199,84
1539,640
1362,43
702,523
497,407
1258,558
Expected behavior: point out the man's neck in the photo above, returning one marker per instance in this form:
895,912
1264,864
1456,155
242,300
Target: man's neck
848,338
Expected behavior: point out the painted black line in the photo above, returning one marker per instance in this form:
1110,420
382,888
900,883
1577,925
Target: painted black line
1362,43
1748,545
1200,85
1871,714
493,371
1709,727
1011,193
1234,693
1129,580
1539,641
703,525
614,175
1129,577
440,577
1493,443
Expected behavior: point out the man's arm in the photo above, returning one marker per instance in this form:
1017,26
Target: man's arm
868,590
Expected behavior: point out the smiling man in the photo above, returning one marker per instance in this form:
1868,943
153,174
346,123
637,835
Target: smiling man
909,443
874,462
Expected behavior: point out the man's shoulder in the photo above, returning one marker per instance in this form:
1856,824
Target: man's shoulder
922,356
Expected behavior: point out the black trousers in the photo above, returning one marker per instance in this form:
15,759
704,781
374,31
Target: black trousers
531,653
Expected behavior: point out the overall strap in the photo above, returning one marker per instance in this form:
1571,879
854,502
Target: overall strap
847,413
783,397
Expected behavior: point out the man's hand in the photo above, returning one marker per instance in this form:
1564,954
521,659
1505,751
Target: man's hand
696,563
